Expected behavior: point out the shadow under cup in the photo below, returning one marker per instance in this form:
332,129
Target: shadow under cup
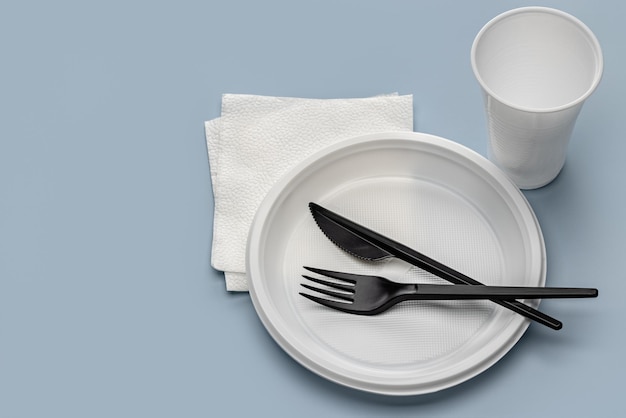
536,66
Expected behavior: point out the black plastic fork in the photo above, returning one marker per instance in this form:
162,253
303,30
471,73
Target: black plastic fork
370,295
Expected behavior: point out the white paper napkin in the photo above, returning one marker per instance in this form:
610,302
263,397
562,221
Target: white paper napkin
257,139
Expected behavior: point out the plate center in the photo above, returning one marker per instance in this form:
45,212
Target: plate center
426,217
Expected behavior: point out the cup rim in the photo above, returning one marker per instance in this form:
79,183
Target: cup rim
592,38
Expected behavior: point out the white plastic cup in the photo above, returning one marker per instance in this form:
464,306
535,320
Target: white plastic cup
536,67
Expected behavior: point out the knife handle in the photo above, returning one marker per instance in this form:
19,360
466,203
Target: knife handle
432,266
530,313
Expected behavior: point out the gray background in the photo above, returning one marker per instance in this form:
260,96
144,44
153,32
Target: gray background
108,304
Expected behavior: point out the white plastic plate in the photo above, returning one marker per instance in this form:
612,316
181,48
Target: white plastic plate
429,193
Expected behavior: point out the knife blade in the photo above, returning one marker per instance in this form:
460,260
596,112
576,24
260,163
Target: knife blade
367,244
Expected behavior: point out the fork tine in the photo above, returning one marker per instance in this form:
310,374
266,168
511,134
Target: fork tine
335,285
348,277
341,306
331,293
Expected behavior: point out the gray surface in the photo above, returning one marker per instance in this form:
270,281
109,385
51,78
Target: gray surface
108,304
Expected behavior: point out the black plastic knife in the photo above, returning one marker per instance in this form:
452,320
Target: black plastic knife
364,243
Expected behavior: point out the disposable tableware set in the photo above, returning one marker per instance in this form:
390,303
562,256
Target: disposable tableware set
442,262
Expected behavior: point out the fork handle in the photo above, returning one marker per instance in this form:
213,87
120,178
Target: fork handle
448,292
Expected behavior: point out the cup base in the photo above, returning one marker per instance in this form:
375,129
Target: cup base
524,183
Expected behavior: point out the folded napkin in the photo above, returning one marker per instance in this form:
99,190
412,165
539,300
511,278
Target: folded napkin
257,139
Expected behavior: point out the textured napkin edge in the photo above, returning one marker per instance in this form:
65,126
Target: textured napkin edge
236,282
212,135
